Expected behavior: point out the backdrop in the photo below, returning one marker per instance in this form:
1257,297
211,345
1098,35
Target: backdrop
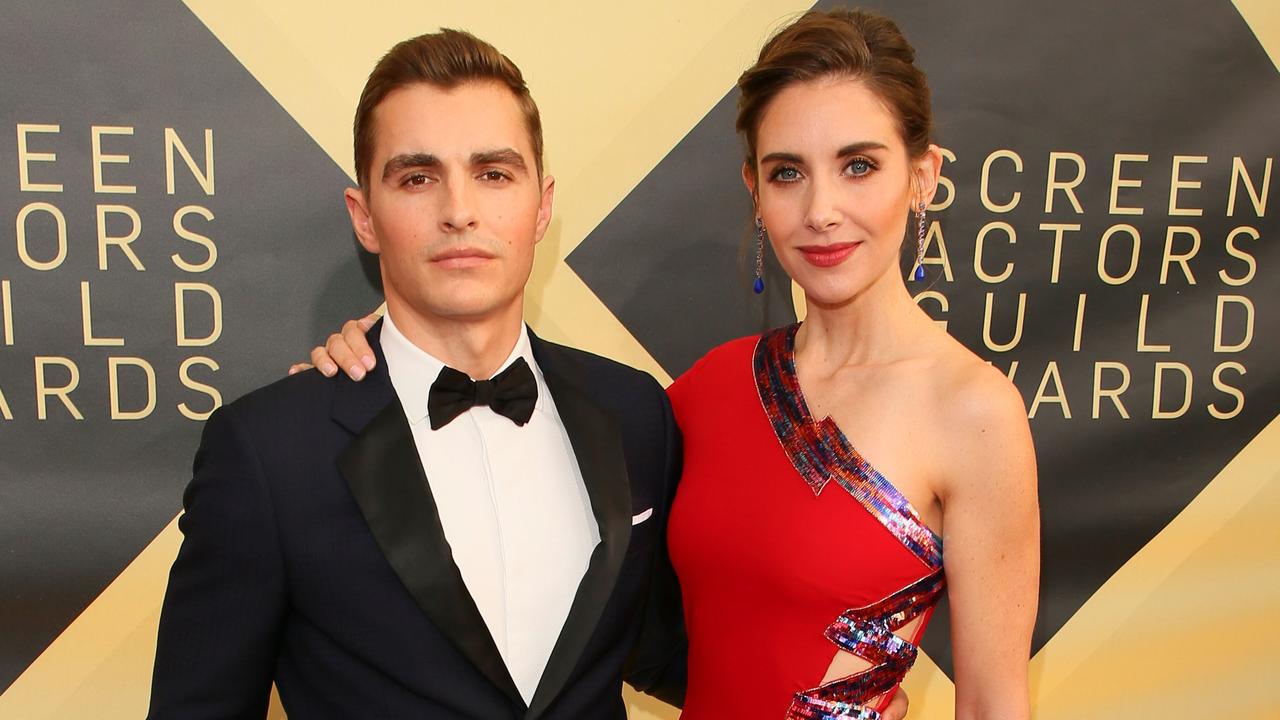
172,235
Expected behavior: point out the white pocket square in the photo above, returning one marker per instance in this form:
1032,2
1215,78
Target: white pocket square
637,519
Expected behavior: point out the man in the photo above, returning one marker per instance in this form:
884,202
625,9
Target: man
423,545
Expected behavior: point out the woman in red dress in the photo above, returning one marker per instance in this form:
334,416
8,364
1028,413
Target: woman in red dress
827,464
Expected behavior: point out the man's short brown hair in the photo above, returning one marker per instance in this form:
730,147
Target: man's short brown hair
445,59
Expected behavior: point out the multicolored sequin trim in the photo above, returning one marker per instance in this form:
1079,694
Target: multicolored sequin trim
820,452
868,632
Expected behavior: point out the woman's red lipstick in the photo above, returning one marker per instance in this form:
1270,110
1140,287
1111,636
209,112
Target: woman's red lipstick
828,255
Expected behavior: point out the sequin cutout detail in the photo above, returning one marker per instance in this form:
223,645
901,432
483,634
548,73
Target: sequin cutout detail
820,452
868,632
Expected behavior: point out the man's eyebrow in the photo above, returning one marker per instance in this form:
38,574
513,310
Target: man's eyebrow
409,160
500,156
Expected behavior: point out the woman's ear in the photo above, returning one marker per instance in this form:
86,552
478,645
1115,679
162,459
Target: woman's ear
924,179
749,179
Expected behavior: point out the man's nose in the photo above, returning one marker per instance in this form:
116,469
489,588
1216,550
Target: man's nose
458,210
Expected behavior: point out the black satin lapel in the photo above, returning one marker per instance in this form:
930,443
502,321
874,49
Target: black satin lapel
385,475
597,445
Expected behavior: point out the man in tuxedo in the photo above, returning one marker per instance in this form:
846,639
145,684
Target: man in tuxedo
476,530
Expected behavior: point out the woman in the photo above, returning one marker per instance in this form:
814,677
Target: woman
828,463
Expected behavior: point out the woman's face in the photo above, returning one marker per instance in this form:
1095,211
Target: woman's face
835,186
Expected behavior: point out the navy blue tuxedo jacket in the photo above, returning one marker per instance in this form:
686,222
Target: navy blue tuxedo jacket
313,556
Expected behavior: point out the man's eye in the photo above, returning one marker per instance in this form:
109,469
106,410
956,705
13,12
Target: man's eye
494,175
416,179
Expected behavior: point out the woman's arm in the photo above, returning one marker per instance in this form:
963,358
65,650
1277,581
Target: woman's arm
991,546
347,349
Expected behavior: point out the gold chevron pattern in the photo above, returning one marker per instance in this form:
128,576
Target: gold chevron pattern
1137,649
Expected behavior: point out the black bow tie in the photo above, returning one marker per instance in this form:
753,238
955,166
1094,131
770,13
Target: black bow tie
512,393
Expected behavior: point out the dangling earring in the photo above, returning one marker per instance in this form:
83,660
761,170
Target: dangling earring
759,283
920,242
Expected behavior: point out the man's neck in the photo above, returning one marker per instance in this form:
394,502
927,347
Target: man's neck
477,347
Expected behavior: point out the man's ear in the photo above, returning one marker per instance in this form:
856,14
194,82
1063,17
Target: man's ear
361,223
544,207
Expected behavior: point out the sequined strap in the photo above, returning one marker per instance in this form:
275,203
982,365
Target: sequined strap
820,452
868,632
805,708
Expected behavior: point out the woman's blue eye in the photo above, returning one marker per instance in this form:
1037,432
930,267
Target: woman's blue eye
786,174
860,166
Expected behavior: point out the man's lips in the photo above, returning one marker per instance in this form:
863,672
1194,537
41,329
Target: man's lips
827,255
462,257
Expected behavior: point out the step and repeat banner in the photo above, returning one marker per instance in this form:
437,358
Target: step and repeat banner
172,235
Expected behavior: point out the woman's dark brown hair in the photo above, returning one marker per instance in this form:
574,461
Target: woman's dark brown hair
855,44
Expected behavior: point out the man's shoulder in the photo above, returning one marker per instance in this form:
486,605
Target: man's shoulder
304,397
588,367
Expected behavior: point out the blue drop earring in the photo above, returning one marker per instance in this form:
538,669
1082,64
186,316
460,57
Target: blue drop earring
919,275
758,286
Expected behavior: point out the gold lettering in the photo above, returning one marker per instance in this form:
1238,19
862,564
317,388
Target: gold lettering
26,157
1075,343
1059,397
100,159
935,233
113,379
1013,370
1113,394
942,302
1176,183
1180,258
1069,186
61,223
1218,345
211,250
1017,333
1156,412
6,299
977,252
173,142
1259,200
5,412
1134,245
1118,182
1229,390
1143,345
1058,230
984,189
1239,254
180,291
184,374
86,322
44,391
120,241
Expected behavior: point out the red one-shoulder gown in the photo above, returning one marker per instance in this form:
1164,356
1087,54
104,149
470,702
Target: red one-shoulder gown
789,547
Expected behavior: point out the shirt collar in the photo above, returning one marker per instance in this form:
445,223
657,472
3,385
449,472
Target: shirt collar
412,370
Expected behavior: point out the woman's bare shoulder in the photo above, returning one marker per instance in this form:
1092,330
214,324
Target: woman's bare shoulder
980,419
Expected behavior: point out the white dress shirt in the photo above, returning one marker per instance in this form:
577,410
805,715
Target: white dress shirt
512,502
